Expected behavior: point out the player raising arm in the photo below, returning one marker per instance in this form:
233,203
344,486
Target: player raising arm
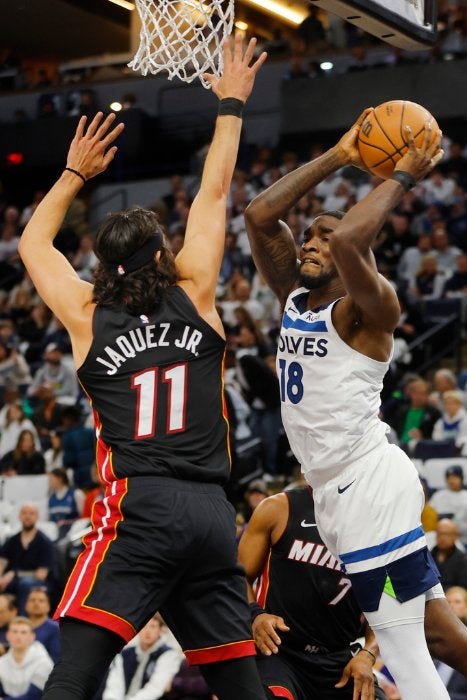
149,347
334,350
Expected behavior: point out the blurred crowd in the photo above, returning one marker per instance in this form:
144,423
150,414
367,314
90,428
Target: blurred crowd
46,426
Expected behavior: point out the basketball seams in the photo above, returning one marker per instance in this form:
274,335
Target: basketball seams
396,149
384,128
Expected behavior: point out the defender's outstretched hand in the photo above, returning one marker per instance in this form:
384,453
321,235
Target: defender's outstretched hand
238,76
90,151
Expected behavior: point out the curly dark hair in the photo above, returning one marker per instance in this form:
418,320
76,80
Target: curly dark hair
118,237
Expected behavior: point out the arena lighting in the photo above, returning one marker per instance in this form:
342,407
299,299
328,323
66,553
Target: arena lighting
326,65
14,158
241,26
294,16
115,106
124,3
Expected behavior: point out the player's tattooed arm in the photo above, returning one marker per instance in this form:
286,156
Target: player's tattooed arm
272,243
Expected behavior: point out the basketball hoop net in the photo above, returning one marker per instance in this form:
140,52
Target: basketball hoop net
183,37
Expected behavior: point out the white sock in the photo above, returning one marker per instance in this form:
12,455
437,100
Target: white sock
401,637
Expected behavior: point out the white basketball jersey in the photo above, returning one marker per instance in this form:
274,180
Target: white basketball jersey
330,393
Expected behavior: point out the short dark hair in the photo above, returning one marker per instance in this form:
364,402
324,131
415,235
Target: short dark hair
12,603
119,236
61,473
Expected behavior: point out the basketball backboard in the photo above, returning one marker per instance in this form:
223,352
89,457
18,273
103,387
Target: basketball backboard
408,24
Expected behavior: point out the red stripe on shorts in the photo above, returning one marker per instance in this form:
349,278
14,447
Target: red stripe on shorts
279,692
106,516
223,652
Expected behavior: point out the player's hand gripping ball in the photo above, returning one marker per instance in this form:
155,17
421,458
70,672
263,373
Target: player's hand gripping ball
382,139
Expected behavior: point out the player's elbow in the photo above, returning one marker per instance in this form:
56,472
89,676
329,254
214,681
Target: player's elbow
254,217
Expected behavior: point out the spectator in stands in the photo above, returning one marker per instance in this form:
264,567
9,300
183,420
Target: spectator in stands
45,629
429,281
65,502
457,599
32,332
78,446
450,560
15,423
454,681
29,210
453,423
443,380
429,517
13,367
87,104
438,189
47,417
233,259
446,254
21,301
25,458
25,667
85,259
53,457
58,334
256,492
454,165
57,374
312,32
11,396
414,421
241,296
410,260
456,285
143,669
27,558
451,502
10,270
395,238
260,386
8,611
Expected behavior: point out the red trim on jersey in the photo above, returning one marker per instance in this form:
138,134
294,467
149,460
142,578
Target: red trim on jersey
103,454
106,516
263,585
223,652
279,692
224,410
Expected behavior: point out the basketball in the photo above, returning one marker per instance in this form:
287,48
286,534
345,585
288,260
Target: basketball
382,140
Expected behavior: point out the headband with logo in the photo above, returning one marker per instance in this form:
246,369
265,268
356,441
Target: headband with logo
139,258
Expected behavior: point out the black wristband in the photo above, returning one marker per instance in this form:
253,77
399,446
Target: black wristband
76,172
255,610
230,106
404,179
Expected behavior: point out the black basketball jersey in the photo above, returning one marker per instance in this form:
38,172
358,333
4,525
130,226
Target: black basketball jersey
303,583
155,385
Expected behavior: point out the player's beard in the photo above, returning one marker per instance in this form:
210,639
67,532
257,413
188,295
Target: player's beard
316,281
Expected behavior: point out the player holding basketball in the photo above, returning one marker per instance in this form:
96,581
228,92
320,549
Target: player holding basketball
149,347
305,616
334,349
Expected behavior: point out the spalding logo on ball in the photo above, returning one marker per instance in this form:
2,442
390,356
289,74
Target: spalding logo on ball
382,139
